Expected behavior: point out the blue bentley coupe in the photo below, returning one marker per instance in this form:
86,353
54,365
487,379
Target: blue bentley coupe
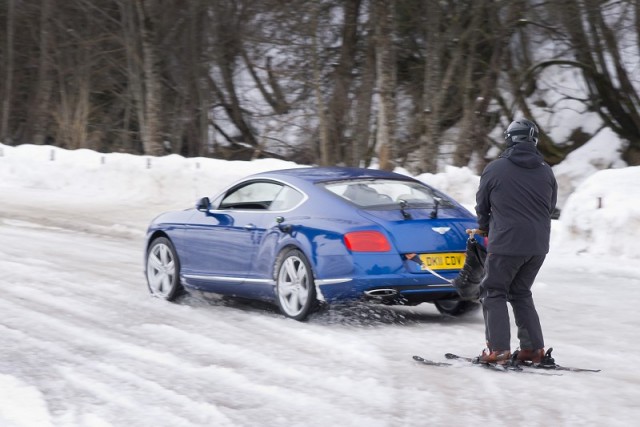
306,237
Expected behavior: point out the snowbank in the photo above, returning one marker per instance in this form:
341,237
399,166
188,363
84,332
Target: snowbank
601,152
603,215
96,177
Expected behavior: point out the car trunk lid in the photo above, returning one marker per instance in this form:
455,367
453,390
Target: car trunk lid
418,233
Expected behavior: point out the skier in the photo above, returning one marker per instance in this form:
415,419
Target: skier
515,199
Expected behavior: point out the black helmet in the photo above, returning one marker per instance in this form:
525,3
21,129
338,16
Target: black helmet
520,131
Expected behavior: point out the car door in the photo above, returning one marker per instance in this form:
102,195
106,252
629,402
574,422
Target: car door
222,242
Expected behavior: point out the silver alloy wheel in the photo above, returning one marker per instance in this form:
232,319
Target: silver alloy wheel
293,286
161,270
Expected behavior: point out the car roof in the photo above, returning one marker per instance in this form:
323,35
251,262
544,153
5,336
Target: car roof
331,173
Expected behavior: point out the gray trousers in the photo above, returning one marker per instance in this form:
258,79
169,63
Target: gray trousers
509,278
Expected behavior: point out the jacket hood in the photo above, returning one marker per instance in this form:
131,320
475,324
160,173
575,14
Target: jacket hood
524,154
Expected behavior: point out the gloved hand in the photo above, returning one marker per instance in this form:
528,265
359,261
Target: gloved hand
472,231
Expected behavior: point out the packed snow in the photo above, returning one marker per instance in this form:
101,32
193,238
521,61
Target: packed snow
83,344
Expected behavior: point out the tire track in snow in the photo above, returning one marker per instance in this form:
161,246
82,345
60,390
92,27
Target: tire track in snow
115,344
60,308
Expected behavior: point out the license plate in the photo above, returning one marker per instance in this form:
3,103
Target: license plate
443,261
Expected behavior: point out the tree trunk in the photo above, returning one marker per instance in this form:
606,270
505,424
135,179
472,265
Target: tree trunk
466,142
39,116
637,19
324,146
197,36
8,86
385,71
135,91
430,136
364,98
151,137
339,104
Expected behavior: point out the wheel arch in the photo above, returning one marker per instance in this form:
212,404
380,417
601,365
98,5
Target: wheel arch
285,248
153,236
305,240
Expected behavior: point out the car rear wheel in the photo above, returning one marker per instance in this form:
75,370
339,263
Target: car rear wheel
163,269
456,308
295,287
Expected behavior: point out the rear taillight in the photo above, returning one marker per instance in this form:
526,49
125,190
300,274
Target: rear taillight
366,241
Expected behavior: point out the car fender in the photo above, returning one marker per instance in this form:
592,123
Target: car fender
295,239
172,225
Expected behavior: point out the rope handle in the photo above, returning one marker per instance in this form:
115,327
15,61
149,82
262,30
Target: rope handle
472,231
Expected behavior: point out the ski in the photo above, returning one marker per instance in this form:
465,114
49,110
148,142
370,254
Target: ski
507,367
555,367
430,362
456,357
474,361
434,363
548,363
490,366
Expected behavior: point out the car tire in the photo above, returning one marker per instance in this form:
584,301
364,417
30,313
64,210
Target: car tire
295,287
456,308
163,269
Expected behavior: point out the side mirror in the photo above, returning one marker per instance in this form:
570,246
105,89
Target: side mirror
203,204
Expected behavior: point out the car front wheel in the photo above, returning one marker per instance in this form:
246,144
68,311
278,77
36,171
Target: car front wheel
295,287
163,269
456,308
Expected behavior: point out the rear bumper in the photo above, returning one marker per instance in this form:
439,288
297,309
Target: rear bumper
412,287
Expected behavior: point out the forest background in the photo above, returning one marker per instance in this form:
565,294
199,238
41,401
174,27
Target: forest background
410,83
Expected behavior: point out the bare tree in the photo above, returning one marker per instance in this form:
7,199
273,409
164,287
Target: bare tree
150,127
73,106
39,113
70,55
328,82
591,32
323,126
8,77
339,105
361,151
385,71
202,98
467,135
432,94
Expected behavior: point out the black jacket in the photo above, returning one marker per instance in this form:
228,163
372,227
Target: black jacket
516,197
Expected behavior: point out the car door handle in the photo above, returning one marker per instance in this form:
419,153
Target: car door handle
250,227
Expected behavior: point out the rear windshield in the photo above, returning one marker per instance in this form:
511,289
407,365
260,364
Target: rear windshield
382,192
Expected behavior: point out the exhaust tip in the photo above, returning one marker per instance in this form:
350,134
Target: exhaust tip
382,294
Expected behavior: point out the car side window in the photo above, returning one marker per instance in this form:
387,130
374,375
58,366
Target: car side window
254,196
286,199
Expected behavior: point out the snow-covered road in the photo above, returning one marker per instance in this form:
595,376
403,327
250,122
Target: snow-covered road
83,344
